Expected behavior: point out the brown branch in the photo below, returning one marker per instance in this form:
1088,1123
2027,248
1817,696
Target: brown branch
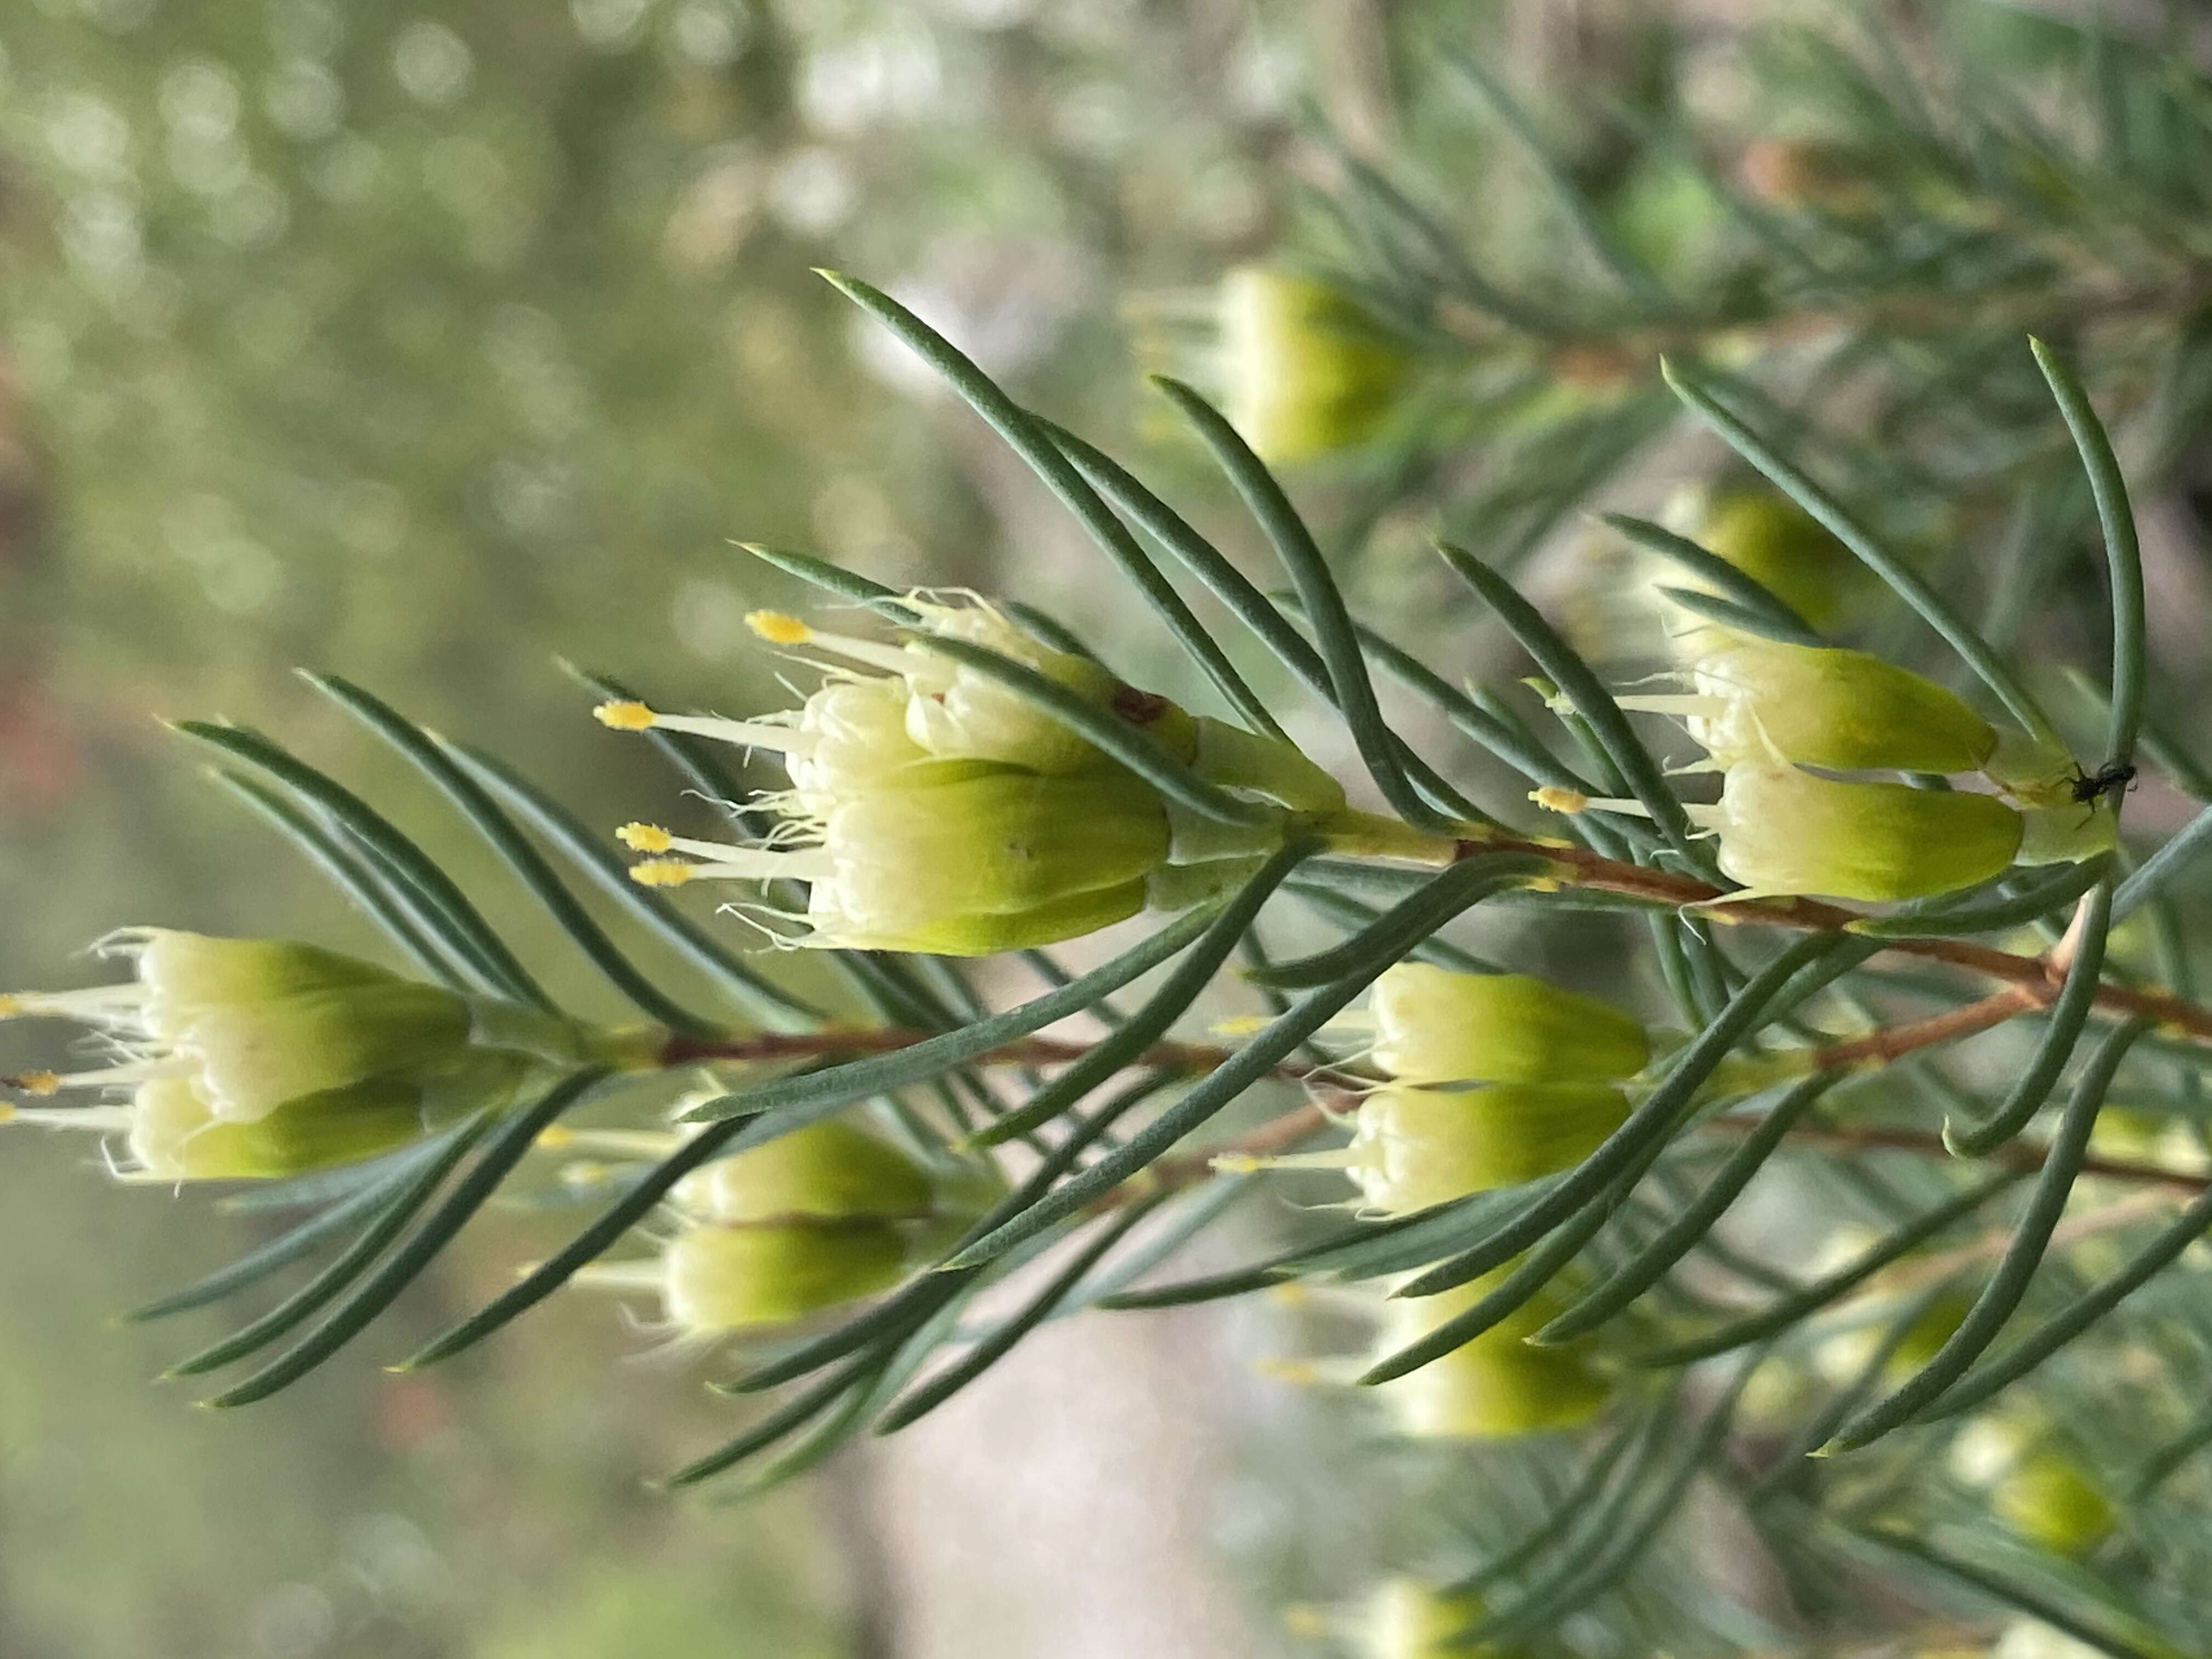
1580,867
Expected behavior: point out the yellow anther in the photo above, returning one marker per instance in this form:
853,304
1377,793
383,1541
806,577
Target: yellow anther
1554,799
1305,1622
1299,1373
32,1083
1239,1025
555,1138
6,1111
661,872
1237,1163
624,716
10,1006
645,837
779,628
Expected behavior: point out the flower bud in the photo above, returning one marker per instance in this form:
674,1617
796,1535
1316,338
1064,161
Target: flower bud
1783,831
1305,371
1404,1619
1496,1387
1783,548
933,809
715,1279
257,1057
1432,1025
827,1171
1416,1147
1762,700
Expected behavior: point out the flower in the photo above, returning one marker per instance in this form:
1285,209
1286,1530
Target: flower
1784,830
1416,1147
1544,1064
1304,369
715,1279
1778,545
824,1214
1759,699
252,1058
2032,1487
933,809
1433,1025
1496,1386
1404,1619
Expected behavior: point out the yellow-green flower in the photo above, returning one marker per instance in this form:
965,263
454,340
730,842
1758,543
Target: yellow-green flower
1404,1619
933,809
2033,1487
714,1279
248,1058
1303,370
1416,1147
1780,546
1784,830
1759,699
826,1171
1496,1387
1432,1025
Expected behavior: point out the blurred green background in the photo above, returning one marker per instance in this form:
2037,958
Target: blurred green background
429,344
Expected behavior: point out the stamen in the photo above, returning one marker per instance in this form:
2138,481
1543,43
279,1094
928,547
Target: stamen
32,1083
746,734
1553,798
95,1003
643,1274
738,863
636,1143
645,837
892,658
135,1072
108,1120
1688,704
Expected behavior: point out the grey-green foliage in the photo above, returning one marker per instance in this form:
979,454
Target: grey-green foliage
2076,1292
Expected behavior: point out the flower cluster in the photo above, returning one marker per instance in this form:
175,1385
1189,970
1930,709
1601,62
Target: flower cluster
1493,1080
1775,720
933,808
245,1058
825,1214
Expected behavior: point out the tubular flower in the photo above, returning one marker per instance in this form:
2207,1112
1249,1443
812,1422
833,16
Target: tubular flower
1544,1062
2033,1487
1432,1025
799,1224
252,1057
1783,831
1780,546
1495,1387
714,1279
1305,371
933,809
1406,1618
1759,699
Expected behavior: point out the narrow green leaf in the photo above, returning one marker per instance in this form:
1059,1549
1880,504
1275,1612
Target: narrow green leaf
2068,1018
2164,1249
834,579
2018,1598
2039,893
2116,518
1413,920
1175,998
371,896
762,996
1749,597
1002,1340
288,1246
2008,1284
786,1419
802,1100
1597,1473
2162,865
470,799
443,908
1563,665
1781,1315
1131,745
508,1145
587,1246
1906,582
342,1269
1350,689
1652,1263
